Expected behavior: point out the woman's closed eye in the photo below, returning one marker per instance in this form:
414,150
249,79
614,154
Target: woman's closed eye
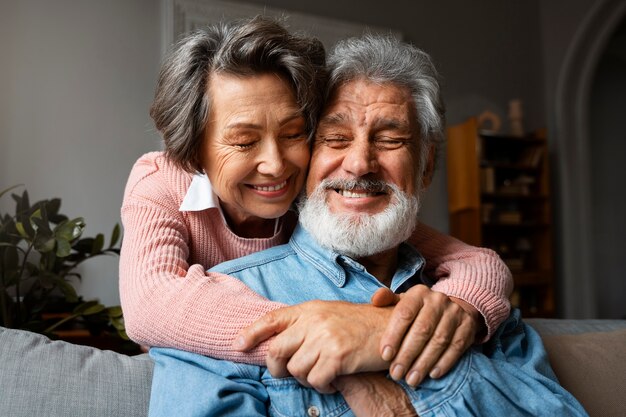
244,144
241,140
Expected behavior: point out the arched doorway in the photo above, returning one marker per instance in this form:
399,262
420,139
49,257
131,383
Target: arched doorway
581,235
607,152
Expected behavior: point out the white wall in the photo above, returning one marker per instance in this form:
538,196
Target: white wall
76,81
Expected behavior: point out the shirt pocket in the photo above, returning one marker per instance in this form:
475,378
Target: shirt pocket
287,398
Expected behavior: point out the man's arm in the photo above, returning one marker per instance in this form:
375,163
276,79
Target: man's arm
373,394
189,384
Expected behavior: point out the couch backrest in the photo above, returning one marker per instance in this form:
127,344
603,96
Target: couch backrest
59,379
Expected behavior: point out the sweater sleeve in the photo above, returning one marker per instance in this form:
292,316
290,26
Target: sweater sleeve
475,275
166,301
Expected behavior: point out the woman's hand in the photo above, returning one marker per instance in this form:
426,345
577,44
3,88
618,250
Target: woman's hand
428,332
317,341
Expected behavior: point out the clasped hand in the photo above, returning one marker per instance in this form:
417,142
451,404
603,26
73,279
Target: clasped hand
415,334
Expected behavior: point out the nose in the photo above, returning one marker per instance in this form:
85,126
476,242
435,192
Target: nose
271,161
361,158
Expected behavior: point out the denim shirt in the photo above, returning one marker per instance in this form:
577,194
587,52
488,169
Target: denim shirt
301,270
188,384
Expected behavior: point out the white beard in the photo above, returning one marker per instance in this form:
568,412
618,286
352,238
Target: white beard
359,235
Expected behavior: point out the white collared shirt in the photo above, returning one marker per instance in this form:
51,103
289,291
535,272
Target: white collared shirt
200,196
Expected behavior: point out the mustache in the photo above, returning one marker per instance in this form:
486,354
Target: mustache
372,186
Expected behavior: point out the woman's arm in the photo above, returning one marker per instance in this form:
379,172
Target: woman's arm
475,275
166,301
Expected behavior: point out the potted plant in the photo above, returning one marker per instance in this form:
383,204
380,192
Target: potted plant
40,250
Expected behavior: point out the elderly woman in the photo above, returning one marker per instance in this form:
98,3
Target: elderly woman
235,105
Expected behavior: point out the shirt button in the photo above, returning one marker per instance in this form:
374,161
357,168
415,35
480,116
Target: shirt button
313,411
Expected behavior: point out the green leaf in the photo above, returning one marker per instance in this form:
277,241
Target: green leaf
98,244
20,229
52,207
70,230
118,323
44,243
22,206
24,219
115,235
36,214
40,225
88,308
84,245
64,248
114,311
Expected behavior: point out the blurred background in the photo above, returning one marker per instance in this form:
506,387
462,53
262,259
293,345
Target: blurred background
77,79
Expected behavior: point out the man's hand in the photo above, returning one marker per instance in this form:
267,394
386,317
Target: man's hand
319,340
372,394
427,334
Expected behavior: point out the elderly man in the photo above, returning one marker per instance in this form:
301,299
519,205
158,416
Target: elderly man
373,156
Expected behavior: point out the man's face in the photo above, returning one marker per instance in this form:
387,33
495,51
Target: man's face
367,131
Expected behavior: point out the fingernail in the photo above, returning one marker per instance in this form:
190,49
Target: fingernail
413,378
435,373
387,353
397,372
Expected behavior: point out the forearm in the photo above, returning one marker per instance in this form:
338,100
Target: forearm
373,394
168,303
195,317
475,275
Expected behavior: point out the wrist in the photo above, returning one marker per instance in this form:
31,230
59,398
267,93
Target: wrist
477,318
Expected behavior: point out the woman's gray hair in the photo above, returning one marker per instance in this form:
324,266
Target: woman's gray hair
385,59
244,48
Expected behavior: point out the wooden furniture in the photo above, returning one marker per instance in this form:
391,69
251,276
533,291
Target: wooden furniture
499,197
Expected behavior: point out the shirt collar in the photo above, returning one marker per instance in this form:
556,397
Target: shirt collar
333,264
200,195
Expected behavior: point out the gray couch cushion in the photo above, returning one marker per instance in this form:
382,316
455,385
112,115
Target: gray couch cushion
591,366
547,327
41,377
589,358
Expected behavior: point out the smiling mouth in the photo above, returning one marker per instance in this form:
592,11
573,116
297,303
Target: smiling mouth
356,194
270,188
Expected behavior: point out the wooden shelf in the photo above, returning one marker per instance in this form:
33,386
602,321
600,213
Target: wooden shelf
522,225
499,197
513,196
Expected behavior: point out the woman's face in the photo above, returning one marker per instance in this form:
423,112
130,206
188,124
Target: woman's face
255,149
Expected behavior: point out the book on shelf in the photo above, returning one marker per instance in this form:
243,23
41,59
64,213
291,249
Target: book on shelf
487,180
531,156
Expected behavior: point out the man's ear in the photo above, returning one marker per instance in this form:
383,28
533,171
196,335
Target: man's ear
429,168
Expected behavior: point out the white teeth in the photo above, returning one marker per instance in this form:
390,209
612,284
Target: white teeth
352,194
271,187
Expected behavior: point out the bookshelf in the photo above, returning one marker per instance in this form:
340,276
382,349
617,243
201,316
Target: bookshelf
499,197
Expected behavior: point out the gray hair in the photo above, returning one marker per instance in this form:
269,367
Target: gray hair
245,48
385,59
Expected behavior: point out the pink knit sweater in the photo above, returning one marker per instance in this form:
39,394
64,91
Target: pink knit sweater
169,300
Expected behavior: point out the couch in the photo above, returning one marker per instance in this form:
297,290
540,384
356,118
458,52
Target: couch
40,377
